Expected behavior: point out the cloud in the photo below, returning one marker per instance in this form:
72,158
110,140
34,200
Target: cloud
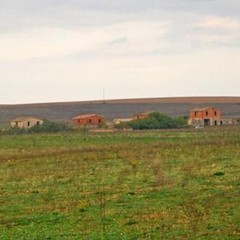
46,42
216,30
213,39
200,72
54,50
227,24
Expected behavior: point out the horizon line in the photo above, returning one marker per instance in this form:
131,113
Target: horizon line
130,100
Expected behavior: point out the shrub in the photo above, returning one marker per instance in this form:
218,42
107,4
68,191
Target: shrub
49,126
157,120
15,131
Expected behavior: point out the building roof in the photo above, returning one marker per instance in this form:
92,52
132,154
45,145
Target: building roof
25,118
121,120
86,116
202,109
143,113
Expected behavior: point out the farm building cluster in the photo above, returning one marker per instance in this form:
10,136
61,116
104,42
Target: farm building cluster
198,117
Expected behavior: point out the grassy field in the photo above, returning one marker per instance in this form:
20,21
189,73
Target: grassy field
181,184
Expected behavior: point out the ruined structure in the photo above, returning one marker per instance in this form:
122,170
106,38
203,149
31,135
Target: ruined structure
208,116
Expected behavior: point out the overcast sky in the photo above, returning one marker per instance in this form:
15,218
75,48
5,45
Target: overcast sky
73,50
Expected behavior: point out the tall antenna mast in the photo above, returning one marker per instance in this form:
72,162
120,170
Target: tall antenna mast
104,97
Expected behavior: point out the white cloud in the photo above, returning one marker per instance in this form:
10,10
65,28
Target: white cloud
71,51
220,23
212,71
214,31
223,23
48,42
212,39
45,43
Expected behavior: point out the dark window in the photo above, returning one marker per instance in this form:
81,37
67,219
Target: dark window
38,123
195,114
28,123
206,113
99,120
215,113
89,120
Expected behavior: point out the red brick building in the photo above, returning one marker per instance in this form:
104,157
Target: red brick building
88,120
207,116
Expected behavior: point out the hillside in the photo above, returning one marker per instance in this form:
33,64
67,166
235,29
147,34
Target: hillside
64,111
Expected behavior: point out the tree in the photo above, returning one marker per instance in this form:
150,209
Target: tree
156,120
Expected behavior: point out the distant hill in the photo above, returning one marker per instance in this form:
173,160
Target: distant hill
121,108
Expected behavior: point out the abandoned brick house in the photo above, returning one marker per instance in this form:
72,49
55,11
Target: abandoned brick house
88,120
26,122
207,116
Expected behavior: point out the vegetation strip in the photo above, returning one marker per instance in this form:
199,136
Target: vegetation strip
178,184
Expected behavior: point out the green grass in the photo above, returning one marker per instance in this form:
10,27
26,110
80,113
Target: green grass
181,184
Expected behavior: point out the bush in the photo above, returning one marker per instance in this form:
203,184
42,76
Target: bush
157,120
15,131
49,126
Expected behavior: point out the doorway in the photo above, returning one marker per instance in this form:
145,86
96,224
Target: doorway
206,122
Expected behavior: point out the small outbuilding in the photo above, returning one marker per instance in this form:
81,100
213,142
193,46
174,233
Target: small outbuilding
208,116
88,120
230,121
117,121
141,115
26,122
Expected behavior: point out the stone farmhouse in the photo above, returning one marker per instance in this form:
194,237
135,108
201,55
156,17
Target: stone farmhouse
88,120
26,122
